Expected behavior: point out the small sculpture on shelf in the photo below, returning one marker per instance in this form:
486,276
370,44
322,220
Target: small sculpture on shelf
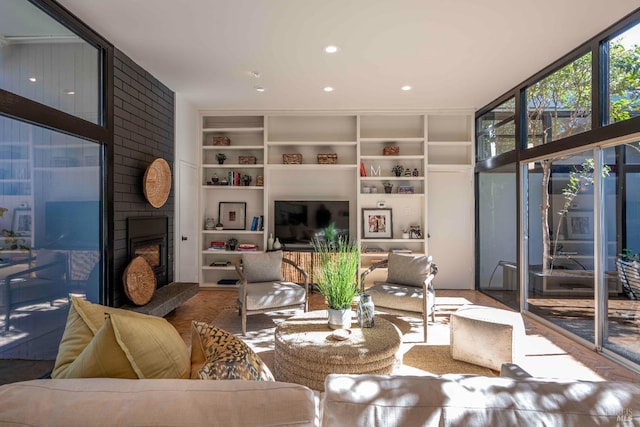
232,244
397,170
415,232
416,172
221,157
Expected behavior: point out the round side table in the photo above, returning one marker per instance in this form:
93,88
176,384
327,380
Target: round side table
305,351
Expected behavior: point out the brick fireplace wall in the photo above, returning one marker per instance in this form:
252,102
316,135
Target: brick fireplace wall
143,131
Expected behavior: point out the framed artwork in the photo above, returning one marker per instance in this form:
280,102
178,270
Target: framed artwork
233,215
377,224
580,225
21,222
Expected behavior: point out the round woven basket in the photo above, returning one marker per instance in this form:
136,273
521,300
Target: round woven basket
139,281
157,183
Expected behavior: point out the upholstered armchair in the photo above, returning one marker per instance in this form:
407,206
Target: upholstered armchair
408,287
262,288
45,280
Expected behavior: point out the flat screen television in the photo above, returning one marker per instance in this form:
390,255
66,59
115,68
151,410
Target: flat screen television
72,225
298,222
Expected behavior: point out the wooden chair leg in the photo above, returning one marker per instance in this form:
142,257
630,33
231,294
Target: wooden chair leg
244,321
425,323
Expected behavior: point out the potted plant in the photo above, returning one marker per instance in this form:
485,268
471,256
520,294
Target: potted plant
397,170
337,278
232,243
221,157
388,187
330,232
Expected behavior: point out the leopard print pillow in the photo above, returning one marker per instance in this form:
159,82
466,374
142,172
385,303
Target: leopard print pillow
219,355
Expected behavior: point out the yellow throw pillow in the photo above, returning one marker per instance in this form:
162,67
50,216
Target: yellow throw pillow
152,345
219,355
101,358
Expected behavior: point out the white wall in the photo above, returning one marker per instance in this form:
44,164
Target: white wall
186,151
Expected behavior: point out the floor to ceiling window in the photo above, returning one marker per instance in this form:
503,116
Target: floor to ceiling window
576,128
52,186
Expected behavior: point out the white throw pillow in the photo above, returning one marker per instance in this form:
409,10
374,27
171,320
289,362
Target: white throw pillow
266,267
407,270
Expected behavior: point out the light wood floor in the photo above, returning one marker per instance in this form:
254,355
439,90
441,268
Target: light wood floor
548,354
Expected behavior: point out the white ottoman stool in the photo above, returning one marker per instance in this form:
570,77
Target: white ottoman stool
486,336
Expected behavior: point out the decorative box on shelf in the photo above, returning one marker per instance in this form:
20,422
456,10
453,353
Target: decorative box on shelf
405,189
391,151
247,160
327,158
221,140
292,159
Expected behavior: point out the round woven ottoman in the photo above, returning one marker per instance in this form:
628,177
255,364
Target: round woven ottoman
486,336
305,351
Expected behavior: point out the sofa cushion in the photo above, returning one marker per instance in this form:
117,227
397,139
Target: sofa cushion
219,355
151,345
407,270
263,267
474,400
159,402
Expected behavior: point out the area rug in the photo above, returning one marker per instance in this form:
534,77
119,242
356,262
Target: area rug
418,358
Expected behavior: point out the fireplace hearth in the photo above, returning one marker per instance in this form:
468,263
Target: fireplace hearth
148,237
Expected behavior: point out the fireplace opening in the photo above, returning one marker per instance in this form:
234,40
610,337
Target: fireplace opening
148,237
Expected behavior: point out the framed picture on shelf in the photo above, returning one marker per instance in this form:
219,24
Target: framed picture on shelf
21,222
377,224
580,225
233,215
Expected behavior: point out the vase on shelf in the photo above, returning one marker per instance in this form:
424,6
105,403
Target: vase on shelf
209,224
365,311
276,244
270,242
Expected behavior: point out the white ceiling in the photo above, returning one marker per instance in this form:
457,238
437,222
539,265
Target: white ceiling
455,54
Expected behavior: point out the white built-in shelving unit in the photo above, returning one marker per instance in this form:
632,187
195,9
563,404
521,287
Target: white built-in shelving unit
434,146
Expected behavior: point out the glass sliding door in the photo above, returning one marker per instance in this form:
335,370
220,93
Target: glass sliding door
51,222
497,234
622,327
561,242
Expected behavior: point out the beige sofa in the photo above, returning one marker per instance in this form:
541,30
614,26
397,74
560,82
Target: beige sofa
349,400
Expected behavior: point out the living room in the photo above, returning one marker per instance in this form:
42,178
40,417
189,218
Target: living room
321,126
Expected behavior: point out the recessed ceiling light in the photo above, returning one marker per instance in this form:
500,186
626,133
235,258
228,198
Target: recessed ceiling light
406,88
33,79
255,74
70,92
331,49
259,88
328,89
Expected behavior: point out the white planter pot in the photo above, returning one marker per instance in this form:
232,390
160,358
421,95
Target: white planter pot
339,319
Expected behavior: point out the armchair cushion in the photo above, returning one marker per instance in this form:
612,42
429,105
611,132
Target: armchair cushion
218,355
263,267
407,270
398,297
152,346
266,295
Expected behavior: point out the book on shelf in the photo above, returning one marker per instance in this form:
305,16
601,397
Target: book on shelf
227,281
220,263
401,251
373,250
247,247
